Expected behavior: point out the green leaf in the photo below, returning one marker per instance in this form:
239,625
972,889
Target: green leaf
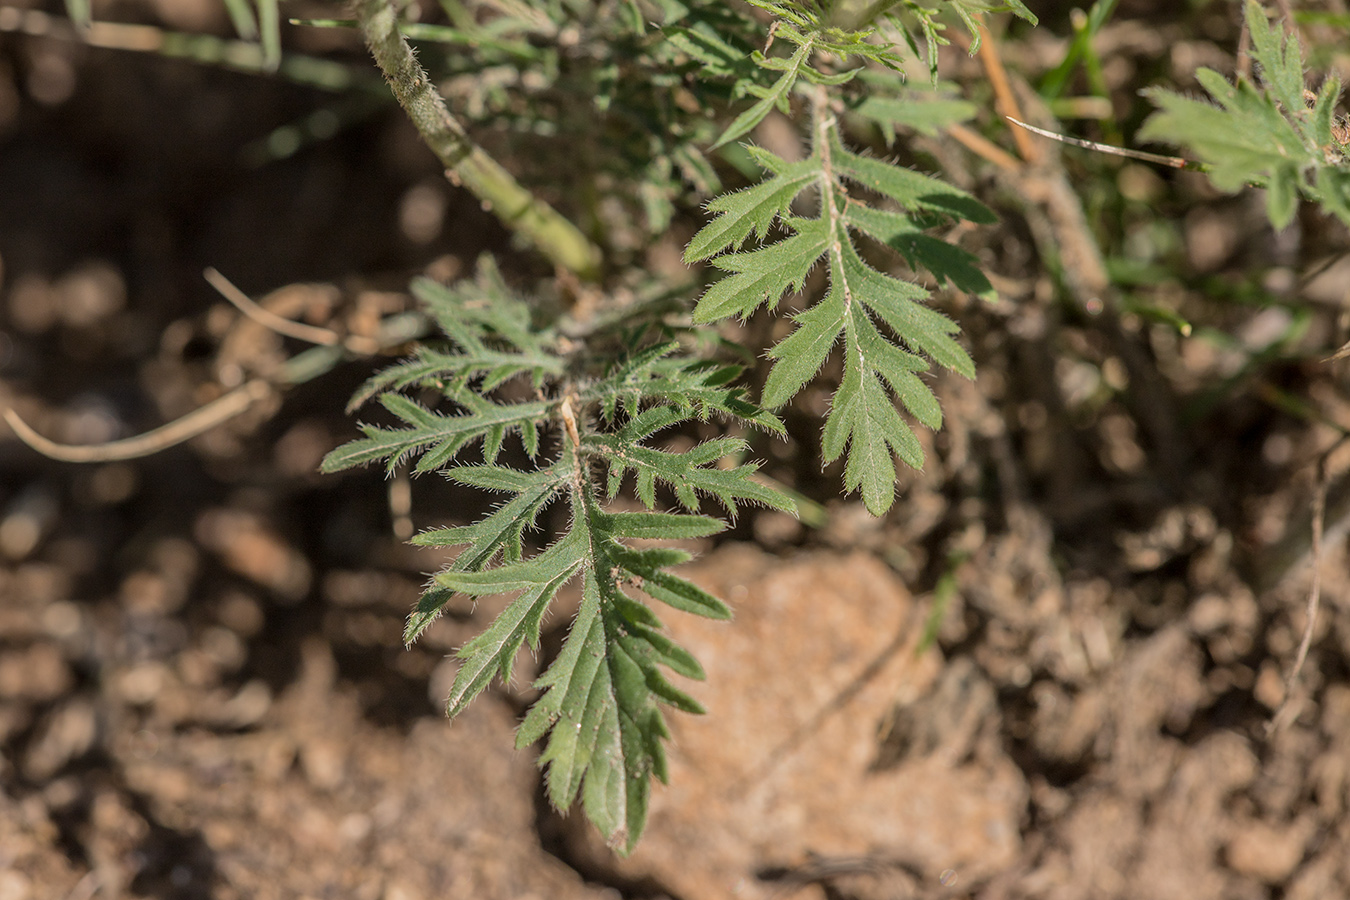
1324,112
772,97
1278,56
79,12
925,330
564,556
689,474
863,416
1333,192
862,420
670,589
269,22
438,437
1282,197
944,260
763,275
716,54
668,526
601,694
911,190
1264,135
799,356
493,652
751,210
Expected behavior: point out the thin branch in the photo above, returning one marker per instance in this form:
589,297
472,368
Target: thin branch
218,411
465,162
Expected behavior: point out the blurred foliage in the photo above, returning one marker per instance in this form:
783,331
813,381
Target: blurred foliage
1275,132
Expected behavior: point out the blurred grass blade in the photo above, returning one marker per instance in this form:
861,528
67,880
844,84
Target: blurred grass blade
269,25
1054,83
241,17
79,12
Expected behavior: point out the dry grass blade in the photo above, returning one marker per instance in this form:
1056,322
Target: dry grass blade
1175,162
312,334
176,432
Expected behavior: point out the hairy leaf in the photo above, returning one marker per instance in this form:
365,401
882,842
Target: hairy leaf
879,367
1262,134
602,695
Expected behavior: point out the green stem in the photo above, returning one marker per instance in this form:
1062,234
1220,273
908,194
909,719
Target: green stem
465,162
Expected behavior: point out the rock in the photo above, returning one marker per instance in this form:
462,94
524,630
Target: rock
780,775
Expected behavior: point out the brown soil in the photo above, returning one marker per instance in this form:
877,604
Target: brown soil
202,687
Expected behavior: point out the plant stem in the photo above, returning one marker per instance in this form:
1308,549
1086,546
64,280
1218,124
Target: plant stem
465,162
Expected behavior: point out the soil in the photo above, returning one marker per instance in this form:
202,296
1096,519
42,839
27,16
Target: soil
1050,672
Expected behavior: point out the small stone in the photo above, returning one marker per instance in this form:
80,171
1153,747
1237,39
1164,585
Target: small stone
65,736
323,763
38,673
1269,690
1267,853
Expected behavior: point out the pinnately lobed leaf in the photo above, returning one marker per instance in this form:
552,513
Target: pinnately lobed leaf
601,706
887,331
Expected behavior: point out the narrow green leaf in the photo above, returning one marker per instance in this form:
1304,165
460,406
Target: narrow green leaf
269,28
670,654
764,274
1333,192
680,594
910,189
799,356
427,610
1324,112
718,56
493,651
1278,56
752,210
944,260
79,12
666,526
1282,197
565,555
772,98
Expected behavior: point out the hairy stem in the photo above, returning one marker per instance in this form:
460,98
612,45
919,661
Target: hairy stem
465,162
824,121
